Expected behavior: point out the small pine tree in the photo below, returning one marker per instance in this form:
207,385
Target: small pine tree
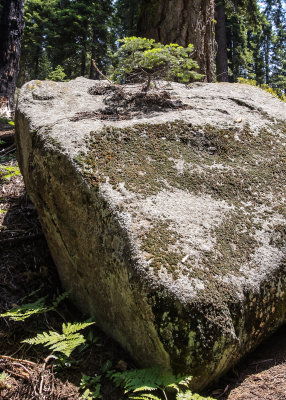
58,74
143,60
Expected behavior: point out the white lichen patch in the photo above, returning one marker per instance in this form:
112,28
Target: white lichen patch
192,217
267,257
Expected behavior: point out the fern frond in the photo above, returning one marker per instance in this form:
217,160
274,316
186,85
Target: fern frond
43,338
185,381
144,388
25,311
144,396
72,328
66,346
145,380
58,300
63,343
188,395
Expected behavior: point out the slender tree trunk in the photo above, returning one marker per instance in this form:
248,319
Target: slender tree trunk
93,74
11,29
83,49
182,22
83,59
220,35
230,52
37,61
267,68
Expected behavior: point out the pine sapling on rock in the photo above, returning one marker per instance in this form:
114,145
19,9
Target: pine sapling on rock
144,60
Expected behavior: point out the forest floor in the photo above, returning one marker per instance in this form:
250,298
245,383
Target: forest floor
26,269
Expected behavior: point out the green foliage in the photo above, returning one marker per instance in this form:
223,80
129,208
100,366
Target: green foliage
8,172
138,384
20,313
64,342
92,387
142,59
188,395
58,74
65,32
256,42
264,86
126,17
5,120
4,377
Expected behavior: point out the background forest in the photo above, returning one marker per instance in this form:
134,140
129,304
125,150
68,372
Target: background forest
250,38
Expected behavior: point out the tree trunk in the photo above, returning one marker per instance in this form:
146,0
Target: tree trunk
11,29
267,67
93,74
83,58
182,22
220,35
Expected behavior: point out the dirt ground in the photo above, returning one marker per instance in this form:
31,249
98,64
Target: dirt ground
26,267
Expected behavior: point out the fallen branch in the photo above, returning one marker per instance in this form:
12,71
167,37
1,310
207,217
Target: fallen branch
8,149
21,375
101,74
17,360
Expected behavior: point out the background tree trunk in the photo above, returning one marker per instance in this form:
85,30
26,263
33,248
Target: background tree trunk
11,29
93,74
220,35
183,22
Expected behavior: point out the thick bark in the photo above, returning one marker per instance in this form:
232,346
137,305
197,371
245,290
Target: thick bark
220,35
183,22
11,29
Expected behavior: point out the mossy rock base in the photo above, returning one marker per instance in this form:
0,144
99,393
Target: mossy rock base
169,228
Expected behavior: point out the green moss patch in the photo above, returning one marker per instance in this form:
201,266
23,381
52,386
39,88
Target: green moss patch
158,244
234,165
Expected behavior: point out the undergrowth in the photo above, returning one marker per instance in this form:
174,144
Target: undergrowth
64,342
137,384
7,172
20,313
264,87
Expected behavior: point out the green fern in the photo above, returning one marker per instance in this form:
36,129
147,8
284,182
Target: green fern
20,313
188,395
145,380
24,311
144,396
7,172
64,342
137,384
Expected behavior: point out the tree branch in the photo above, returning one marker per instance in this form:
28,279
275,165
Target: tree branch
101,74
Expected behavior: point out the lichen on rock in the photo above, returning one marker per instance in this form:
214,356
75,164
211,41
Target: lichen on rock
168,227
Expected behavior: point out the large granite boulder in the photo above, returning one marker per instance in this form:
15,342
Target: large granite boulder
165,213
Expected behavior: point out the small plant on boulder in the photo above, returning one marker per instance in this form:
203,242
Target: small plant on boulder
144,60
58,74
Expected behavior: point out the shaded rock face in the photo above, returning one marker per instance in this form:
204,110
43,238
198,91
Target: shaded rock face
167,222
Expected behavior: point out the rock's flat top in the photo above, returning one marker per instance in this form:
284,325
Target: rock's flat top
202,193
223,105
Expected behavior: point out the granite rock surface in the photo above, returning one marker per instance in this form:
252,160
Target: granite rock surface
165,213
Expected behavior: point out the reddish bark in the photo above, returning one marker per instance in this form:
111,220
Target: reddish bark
182,22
